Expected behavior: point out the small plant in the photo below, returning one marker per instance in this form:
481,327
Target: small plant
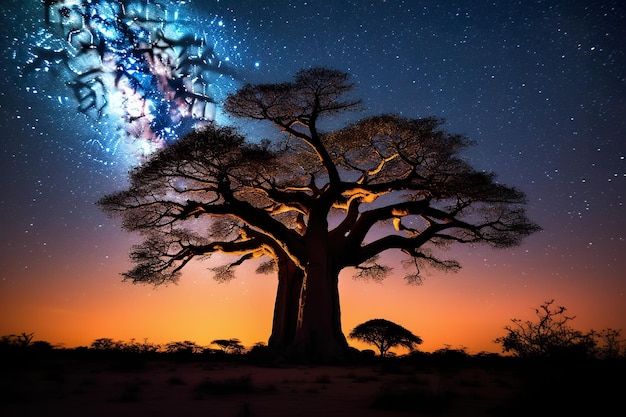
24,339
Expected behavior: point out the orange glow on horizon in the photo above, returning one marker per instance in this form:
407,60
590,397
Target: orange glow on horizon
468,309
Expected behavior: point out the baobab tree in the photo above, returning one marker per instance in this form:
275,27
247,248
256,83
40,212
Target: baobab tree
312,203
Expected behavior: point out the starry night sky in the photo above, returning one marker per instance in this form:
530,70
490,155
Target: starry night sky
539,85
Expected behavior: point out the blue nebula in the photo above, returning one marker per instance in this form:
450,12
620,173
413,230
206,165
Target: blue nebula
144,72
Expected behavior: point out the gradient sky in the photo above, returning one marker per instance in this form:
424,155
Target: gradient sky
539,85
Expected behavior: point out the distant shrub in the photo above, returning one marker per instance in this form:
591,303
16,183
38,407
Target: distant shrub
185,347
551,336
231,346
107,344
260,354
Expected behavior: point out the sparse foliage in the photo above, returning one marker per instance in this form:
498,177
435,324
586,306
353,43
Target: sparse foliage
141,348
107,344
19,341
312,202
25,339
385,335
551,336
229,345
609,344
185,347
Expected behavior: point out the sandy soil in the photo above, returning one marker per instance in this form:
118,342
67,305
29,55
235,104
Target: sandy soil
221,389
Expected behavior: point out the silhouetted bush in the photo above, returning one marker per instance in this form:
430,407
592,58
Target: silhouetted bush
551,336
259,354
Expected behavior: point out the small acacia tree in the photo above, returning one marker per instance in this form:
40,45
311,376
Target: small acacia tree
385,335
313,203
229,345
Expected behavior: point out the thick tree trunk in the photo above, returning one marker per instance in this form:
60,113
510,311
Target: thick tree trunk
307,315
290,279
318,335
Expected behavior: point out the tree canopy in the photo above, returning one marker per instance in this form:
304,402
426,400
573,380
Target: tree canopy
385,334
312,203
229,345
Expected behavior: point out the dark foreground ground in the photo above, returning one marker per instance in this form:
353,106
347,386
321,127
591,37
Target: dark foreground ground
133,386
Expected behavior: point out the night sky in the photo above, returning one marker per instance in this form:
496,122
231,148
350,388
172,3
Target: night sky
539,85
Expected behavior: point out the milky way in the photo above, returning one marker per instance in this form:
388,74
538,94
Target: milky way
144,72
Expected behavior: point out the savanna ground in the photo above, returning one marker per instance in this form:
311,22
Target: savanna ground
451,384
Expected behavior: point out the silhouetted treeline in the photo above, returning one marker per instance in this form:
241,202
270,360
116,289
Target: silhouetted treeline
547,343
16,347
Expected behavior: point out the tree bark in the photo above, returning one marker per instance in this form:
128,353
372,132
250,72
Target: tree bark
318,335
290,279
